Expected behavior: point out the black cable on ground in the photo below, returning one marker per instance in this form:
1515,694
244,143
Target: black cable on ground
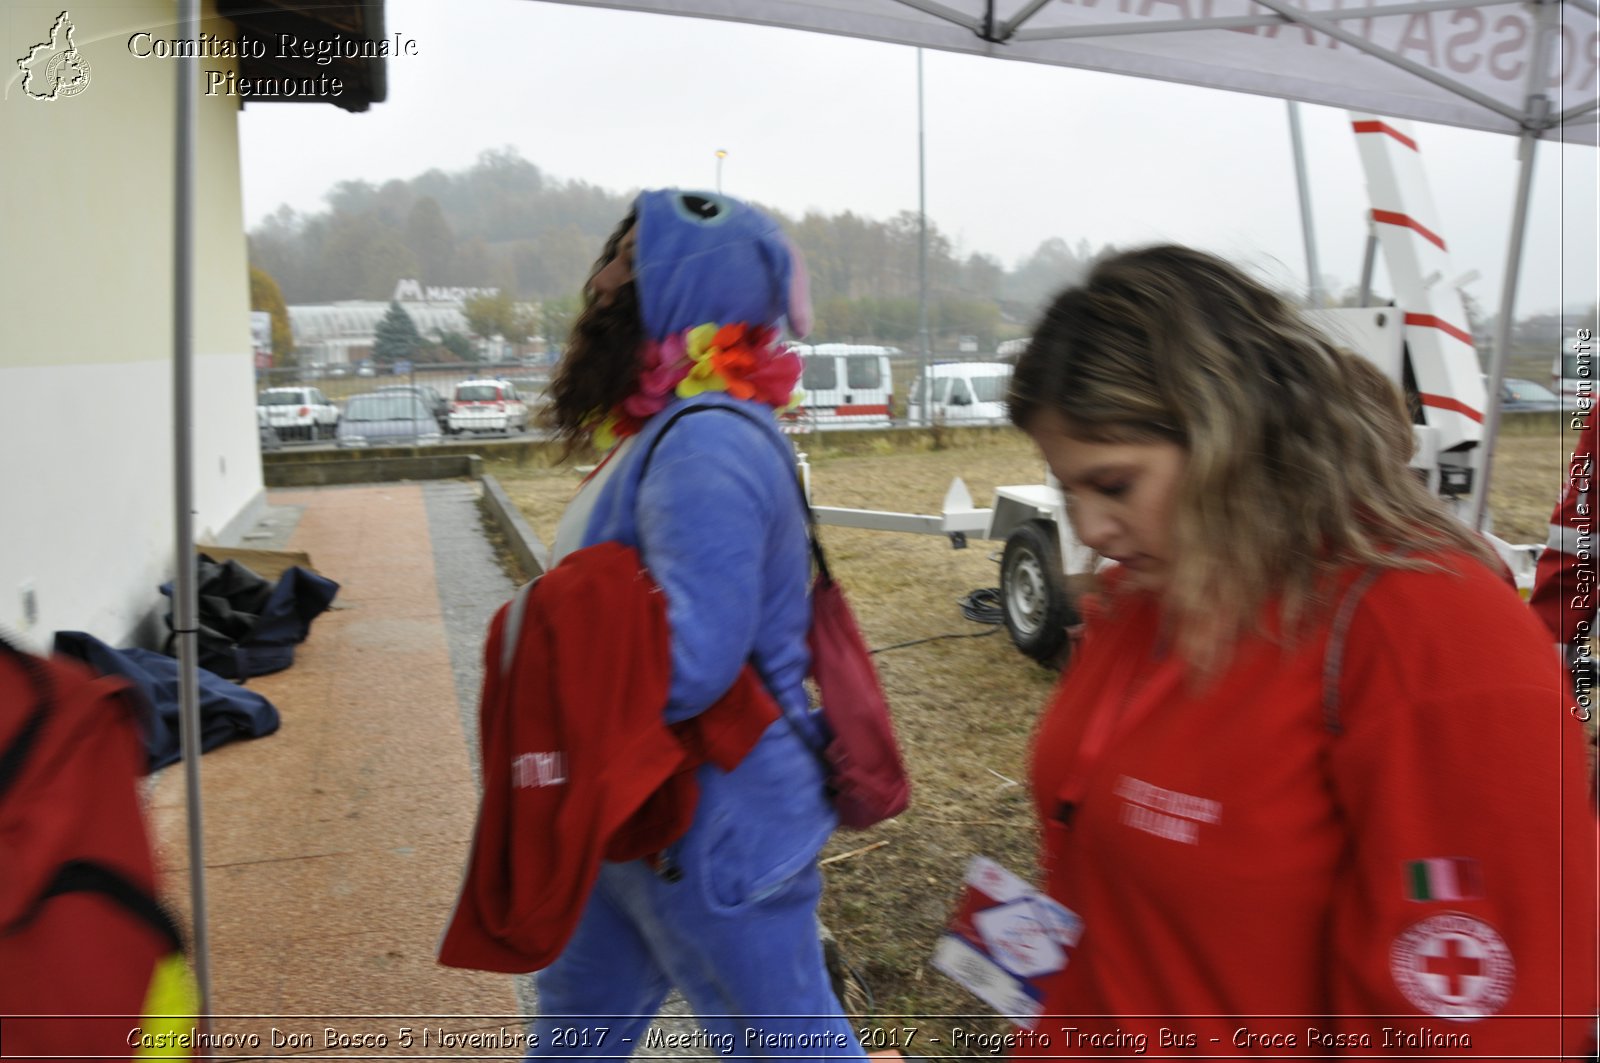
980,606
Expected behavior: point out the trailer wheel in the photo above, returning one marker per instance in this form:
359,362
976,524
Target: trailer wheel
1033,594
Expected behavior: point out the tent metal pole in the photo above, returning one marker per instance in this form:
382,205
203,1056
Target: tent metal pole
922,258
1502,326
1534,122
1369,261
185,604
1308,226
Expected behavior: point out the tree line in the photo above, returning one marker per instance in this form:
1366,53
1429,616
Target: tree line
503,223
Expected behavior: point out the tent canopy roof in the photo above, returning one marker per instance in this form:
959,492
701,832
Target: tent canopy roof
1456,62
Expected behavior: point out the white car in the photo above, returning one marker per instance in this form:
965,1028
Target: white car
298,413
487,406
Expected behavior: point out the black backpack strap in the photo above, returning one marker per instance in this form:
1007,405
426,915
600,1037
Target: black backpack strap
21,746
805,503
816,746
88,876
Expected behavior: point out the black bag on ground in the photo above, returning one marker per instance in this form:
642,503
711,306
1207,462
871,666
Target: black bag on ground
248,626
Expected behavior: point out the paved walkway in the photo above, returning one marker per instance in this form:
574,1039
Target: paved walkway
333,849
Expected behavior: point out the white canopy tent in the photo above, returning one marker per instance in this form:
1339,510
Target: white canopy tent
1522,67
1468,63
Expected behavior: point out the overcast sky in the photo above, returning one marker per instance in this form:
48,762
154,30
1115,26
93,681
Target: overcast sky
1015,152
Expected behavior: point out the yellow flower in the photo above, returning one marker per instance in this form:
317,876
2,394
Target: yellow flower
605,436
702,378
699,341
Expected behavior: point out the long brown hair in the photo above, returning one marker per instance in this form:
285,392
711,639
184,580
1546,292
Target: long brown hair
1296,450
601,363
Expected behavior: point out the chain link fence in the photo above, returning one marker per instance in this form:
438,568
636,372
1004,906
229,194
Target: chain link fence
400,405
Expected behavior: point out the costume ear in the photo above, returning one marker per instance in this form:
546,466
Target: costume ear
798,306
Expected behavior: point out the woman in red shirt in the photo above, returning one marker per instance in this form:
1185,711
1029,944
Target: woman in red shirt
1310,781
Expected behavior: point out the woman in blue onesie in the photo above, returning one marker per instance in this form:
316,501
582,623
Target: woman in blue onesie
683,310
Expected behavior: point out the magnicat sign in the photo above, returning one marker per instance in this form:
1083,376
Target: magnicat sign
412,291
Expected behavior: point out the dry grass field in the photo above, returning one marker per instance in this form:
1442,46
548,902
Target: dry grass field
964,706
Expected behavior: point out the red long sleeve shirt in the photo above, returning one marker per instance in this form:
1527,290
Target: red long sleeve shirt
1417,879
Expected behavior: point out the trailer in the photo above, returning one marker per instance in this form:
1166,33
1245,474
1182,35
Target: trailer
1421,343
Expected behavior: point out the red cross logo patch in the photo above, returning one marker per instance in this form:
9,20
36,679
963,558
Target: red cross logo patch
1453,966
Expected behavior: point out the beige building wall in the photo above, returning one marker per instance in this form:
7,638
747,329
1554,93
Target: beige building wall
86,325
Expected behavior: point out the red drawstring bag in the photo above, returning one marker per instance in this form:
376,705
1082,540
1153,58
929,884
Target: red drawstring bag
865,772
866,775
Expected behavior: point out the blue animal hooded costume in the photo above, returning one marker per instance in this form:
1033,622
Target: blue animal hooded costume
702,257
729,914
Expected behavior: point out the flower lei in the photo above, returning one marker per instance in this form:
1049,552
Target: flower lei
746,361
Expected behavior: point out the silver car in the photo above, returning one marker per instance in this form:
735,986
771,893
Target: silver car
390,418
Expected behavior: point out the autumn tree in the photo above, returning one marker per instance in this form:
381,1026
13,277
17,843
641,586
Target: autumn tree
266,296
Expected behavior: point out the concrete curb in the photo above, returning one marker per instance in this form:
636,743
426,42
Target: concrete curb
524,544
371,470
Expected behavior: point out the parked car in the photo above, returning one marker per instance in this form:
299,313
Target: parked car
383,419
963,392
436,402
298,413
487,405
1519,394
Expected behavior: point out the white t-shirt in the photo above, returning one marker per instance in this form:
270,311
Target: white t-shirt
575,518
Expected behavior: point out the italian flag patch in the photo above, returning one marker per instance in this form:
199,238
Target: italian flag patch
1447,878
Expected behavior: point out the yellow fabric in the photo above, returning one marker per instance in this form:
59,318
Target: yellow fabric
170,1007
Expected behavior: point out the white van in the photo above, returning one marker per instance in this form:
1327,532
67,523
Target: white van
846,385
964,393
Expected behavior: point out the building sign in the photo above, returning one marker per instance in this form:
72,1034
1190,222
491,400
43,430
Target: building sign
410,290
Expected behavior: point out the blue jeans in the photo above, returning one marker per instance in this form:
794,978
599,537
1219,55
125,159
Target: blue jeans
751,967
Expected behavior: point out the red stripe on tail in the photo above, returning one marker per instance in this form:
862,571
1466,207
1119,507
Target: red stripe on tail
1388,130
1389,217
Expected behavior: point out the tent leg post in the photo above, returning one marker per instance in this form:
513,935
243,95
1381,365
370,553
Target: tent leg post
185,604
1538,112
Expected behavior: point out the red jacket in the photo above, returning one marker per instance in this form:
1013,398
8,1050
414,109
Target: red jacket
71,758
578,763
1244,872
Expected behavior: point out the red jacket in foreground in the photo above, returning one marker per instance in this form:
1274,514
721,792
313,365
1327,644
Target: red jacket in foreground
1416,880
578,763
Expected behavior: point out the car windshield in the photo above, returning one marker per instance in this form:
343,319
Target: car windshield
477,393
386,408
991,388
1528,391
282,398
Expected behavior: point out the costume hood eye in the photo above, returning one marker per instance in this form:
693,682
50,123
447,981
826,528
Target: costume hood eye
700,207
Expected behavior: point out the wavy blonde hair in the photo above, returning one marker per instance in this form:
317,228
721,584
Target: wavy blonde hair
1296,450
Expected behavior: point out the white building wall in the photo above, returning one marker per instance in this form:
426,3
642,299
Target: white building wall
86,335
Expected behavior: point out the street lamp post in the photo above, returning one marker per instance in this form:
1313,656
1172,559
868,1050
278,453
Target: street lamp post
720,156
